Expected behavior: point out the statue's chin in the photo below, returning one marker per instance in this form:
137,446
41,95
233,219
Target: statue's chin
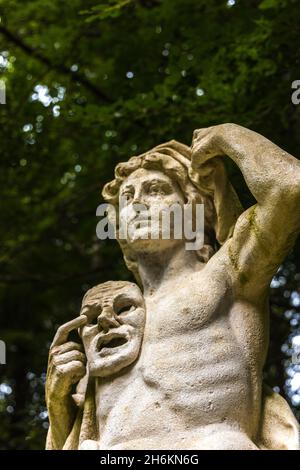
141,235
139,243
111,362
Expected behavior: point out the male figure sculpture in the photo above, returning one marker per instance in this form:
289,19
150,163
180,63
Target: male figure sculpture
197,383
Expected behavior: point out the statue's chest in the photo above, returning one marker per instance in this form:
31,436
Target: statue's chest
186,305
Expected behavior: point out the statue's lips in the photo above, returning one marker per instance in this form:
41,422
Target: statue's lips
142,223
110,342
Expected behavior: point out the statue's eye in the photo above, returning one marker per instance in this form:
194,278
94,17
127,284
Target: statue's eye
156,189
128,195
159,188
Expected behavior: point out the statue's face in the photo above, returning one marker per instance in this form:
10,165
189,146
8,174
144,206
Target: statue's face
113,335
156,192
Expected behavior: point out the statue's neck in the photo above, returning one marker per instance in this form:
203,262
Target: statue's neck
159,268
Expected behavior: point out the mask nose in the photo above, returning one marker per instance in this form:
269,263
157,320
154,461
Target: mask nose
107,319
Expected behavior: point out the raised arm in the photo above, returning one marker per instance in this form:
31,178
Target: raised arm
265,233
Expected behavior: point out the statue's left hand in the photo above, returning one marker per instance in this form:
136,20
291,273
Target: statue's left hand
217,141
207,143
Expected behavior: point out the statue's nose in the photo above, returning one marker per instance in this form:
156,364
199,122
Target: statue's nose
140,203
138,198
107,319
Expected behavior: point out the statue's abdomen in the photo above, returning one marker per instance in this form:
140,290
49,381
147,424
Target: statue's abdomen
202,376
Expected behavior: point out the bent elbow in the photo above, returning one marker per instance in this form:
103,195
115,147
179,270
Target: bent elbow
290,191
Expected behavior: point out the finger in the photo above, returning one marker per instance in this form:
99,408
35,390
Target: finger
210,146
202,151
200,133
207,168
74,369
64,330
69,346
69,357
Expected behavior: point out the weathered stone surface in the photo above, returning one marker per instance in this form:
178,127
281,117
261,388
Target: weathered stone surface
180,366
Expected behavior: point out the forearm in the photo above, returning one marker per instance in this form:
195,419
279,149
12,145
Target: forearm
61,419
66,367
268,170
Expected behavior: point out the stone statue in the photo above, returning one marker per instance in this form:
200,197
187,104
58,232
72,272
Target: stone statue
179,366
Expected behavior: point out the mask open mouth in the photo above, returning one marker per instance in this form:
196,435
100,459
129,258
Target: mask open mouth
110,342
116,342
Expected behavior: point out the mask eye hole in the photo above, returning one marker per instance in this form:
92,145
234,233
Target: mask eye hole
93,320
125,309
123,305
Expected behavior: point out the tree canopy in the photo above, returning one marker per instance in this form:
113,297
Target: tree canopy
91,83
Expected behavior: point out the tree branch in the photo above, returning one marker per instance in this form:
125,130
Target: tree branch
74,76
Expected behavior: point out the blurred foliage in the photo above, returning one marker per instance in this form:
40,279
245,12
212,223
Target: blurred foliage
90,83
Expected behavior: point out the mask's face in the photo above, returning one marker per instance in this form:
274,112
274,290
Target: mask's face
113,335
142,197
